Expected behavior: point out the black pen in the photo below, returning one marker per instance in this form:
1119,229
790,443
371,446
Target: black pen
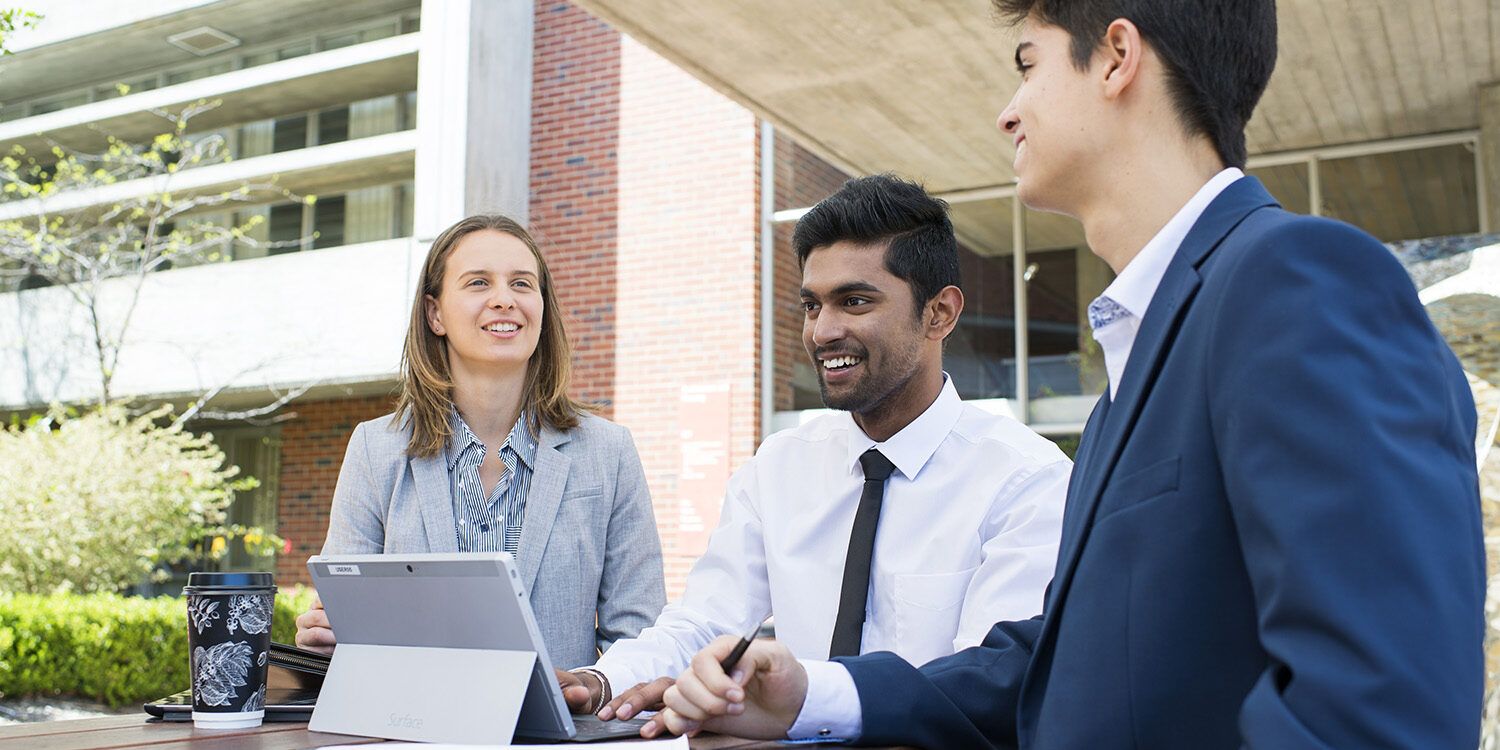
739,648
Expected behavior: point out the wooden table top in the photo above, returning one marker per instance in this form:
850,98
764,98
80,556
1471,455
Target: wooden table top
136,731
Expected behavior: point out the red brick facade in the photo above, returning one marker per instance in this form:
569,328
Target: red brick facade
575,135
312,448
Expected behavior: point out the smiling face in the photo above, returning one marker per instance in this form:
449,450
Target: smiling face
1057,120
859,326
490,306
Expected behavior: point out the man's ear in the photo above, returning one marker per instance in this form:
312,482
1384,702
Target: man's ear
434,318
941,313
1122,51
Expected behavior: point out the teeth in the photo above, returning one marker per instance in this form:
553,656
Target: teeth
838,362
502,327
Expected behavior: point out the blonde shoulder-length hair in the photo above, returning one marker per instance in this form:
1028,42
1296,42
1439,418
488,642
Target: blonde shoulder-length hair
426,398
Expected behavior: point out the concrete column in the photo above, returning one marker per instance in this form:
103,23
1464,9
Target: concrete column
473,111
1489,155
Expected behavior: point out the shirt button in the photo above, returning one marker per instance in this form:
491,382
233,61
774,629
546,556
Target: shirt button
484,527
824,732
461,522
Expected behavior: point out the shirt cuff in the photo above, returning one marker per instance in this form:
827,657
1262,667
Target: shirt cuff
831,710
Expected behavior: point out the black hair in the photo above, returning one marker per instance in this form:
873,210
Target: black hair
1219,54
920,247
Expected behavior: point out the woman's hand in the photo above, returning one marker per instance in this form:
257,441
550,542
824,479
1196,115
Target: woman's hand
313,631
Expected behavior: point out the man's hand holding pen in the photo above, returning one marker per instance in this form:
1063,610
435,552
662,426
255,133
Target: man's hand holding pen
760,698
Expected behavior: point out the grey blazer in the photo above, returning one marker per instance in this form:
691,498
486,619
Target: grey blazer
589,554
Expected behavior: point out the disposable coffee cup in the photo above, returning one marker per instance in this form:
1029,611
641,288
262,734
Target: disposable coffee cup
229,645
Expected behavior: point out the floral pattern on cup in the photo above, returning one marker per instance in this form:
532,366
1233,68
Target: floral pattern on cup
217,671
202,612
253,613
257,701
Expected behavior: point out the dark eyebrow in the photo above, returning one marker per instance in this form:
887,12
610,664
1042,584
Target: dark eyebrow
849,288
1019,48
855,286
523,273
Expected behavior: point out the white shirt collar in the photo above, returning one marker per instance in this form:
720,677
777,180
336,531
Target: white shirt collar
910,448
1136,285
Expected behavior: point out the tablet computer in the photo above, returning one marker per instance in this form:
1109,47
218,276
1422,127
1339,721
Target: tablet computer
469,600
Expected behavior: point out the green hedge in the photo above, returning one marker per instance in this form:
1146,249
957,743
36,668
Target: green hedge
118,650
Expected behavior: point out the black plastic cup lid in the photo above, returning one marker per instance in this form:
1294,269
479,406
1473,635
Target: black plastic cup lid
209,583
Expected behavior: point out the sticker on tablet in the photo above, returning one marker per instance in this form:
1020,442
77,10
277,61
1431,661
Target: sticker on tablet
343,570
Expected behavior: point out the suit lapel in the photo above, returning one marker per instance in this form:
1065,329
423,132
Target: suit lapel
1072,528
1111,425
545,497
435,494
1158,329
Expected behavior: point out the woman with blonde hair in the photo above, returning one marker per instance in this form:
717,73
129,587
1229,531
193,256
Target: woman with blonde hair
486,452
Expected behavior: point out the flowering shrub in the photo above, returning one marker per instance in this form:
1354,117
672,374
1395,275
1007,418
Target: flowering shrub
102,501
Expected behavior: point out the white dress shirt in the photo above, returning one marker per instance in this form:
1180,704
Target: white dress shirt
831,709
967,537
1136,285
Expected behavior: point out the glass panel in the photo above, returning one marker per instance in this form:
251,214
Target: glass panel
290,134
328,222
339,40
257,453
285,227
294,50
409,110
379,32
1405,195
1287,184
407,219
257,234
369,213
981,354
60,103
333,125
259,58
256,139
411,24
1065,371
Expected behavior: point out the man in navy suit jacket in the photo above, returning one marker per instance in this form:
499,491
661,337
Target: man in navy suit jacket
1272,536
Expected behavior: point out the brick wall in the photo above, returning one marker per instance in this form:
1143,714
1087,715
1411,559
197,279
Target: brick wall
575,133
312,448
687,312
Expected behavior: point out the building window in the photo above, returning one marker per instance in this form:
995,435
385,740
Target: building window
257,453
333,125
328,222
285,232
290,134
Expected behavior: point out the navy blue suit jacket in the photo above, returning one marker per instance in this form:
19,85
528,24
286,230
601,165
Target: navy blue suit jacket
1272,536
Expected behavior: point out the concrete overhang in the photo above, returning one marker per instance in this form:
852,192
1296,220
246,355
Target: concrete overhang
323,79
914,86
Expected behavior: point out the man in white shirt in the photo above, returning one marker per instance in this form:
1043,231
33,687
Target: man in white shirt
1272,538
967,517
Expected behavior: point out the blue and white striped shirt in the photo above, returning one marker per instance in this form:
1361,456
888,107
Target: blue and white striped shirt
489,523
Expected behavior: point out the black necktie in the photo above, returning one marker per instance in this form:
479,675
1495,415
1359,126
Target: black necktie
848,628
